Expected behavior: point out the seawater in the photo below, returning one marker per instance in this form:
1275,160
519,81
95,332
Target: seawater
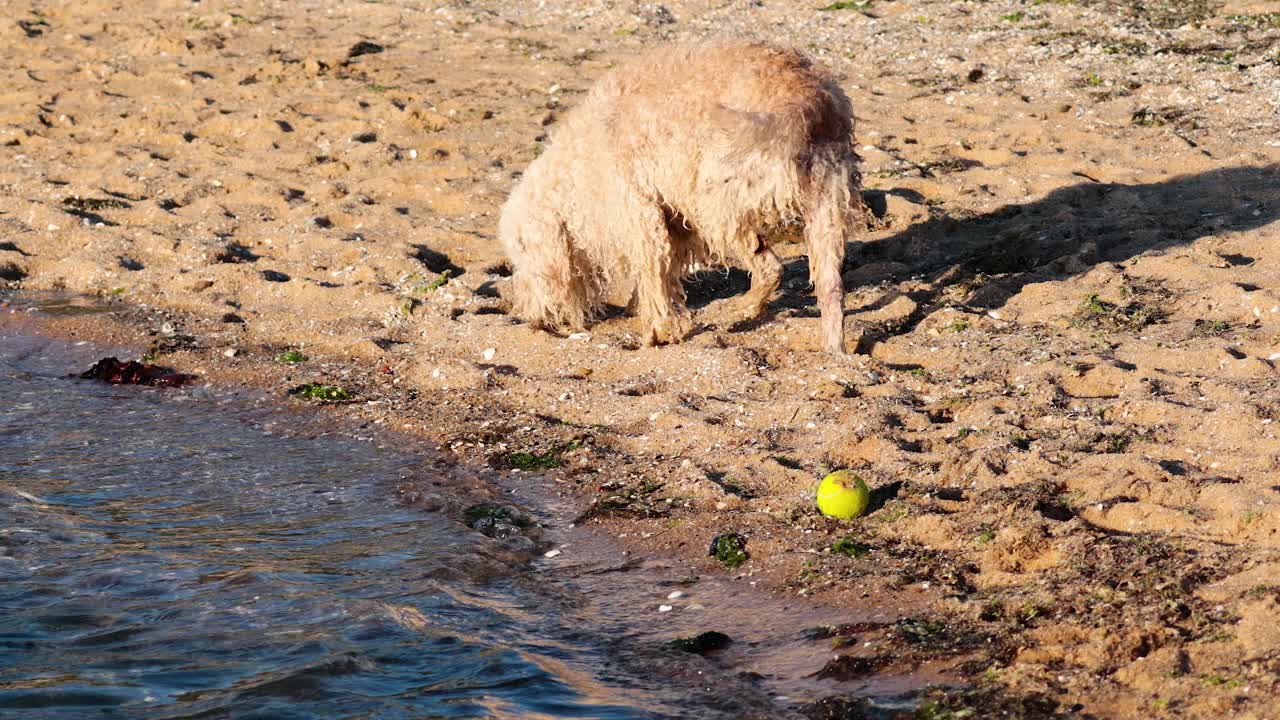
168,554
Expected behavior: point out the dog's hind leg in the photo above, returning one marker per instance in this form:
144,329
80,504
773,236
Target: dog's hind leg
766,276
827,222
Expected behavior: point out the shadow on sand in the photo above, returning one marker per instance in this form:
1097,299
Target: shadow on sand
993,255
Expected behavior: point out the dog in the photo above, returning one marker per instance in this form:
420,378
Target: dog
688,156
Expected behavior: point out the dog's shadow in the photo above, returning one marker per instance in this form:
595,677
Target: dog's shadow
997,253
707,286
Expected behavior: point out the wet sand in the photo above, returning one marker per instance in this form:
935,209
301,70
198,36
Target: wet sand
1066,309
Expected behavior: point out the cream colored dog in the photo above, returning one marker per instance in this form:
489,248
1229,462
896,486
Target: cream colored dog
690,155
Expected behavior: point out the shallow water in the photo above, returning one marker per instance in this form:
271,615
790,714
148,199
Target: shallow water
164,554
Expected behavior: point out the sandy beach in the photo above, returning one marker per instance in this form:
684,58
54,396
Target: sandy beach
1064,308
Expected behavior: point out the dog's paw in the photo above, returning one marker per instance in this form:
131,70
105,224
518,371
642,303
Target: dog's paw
724,314
669,330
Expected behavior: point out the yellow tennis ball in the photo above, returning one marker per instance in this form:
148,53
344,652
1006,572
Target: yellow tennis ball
843,495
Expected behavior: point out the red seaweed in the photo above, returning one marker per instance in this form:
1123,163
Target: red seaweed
135,373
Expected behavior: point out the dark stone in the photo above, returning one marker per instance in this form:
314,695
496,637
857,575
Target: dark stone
11,271
364,48
702,643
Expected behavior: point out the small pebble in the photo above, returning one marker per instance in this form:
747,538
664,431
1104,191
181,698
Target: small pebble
665,608
551,553
675,594
488,354
230,352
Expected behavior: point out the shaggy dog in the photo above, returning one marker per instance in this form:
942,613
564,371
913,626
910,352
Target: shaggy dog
690,155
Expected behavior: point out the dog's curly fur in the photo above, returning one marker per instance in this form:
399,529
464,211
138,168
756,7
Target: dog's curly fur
686,156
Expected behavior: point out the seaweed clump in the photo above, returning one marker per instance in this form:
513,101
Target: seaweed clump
730,549
321,393
495,520
113,371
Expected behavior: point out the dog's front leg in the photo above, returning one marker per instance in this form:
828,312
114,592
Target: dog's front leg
660,303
